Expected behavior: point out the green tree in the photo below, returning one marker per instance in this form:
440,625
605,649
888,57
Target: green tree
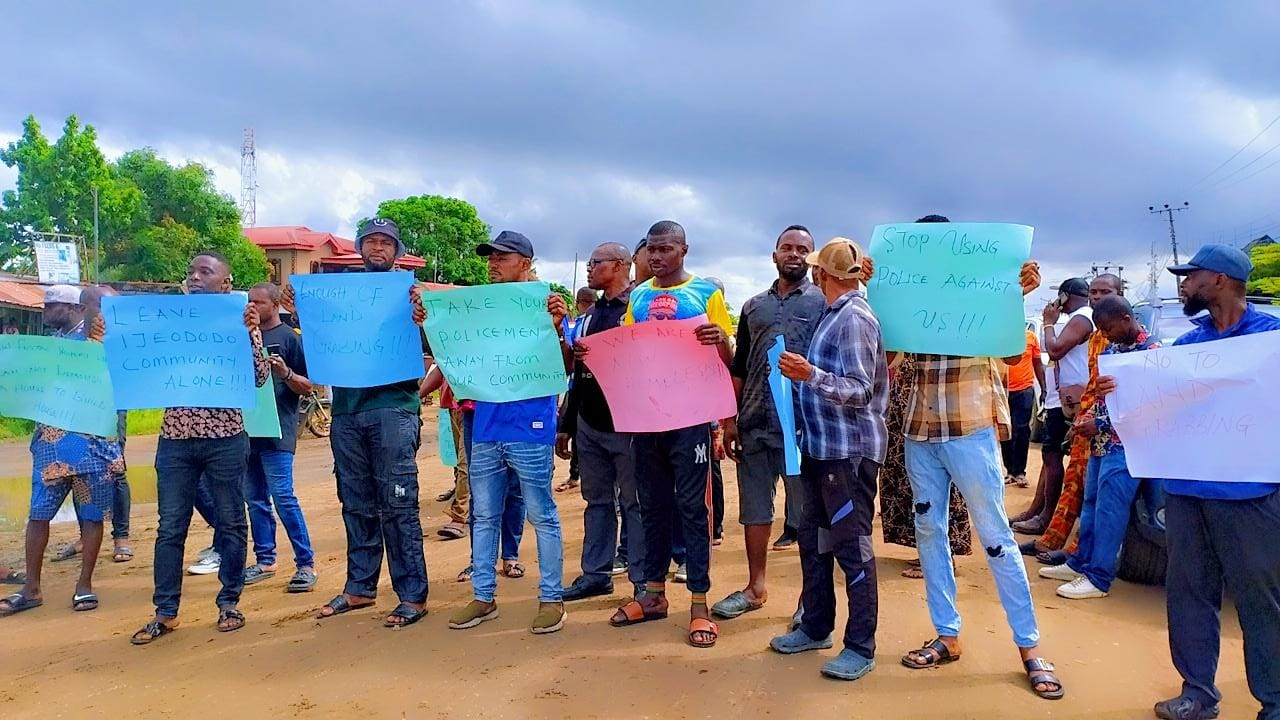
564,292
1265,279
444,232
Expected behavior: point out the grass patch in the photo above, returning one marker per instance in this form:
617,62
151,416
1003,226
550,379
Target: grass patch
141,422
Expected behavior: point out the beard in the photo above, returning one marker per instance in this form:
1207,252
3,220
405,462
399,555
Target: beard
371,266
793,276
1194,304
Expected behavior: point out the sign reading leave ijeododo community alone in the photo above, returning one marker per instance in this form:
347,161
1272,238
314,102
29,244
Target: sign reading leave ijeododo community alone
950,288
496,342
179,351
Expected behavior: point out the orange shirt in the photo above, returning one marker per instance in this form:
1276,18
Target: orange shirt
1023,375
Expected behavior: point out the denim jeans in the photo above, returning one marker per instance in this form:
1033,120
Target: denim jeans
207,509
375,458
608,481
971,463
531,463
268,482
181,466
512,515
1109,490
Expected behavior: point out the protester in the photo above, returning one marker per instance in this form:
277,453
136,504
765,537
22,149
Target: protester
1217,531
673,467
269,481
66,462
515,438
640,262
1052,548
956,418
459,496
717,469
375,436
1020,383
897,509
604,456
571,325
1071,354
209,442
754,441
121,498
1109,488
844,395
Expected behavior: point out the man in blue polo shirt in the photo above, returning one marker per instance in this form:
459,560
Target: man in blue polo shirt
1218,532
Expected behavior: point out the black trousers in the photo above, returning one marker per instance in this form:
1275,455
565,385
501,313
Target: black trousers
1215,544
1014,450
673,475
835,526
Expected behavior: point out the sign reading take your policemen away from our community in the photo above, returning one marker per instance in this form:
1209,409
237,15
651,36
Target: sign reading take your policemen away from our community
179,351
358,328
656,376
57,382
1206,411
950,288
495,342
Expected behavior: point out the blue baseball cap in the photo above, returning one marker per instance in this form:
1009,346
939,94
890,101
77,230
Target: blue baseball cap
507,241
1229,261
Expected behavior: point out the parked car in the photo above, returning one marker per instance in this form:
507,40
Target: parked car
1144,557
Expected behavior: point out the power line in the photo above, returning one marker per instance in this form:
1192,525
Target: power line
1218,183
1173,235
1236,153
1246,177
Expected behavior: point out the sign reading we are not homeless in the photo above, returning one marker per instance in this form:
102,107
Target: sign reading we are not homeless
950,288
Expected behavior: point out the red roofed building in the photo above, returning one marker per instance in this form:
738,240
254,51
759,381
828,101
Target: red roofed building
299,250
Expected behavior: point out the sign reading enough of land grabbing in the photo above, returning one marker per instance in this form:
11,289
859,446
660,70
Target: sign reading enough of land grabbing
57,382
179,351
495,342
950,288
1206,411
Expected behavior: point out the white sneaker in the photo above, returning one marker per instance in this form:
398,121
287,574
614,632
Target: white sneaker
205,553
1080,589
1061,572
206,565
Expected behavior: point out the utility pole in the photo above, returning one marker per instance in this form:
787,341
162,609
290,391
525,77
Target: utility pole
575,274
97,244
1173,236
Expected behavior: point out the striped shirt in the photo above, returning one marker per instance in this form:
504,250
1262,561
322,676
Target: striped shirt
956,396
843,404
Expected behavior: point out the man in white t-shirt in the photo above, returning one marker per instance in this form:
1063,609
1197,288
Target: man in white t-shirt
1067,325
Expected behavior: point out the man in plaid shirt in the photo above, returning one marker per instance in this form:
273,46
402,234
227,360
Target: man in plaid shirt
844,394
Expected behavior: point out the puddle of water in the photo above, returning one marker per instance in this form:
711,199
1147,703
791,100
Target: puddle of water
15,497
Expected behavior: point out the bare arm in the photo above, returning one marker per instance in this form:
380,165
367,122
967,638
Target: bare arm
1075,333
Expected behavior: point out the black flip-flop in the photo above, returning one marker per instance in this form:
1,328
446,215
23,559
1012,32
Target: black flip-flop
302,581
122,554
85,602
405,612
1053,557
230,613
19,603
13,577
935,653
66,552
1028,548
339,605
150,632
1040,671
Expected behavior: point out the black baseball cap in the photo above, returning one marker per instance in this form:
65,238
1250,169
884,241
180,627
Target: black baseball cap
1074,286
507,241
382,226
644,243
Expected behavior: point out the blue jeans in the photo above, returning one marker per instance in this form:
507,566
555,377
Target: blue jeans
512,516
1109,490
531,463
971,463
270,481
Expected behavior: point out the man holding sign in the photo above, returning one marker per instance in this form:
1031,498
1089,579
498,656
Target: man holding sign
515,437
844,395
208,441
673,467
65,462
375,436
1219,532
755,440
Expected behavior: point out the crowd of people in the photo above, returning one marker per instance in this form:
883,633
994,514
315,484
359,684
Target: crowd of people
937,437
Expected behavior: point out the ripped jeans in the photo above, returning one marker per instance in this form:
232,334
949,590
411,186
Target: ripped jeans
837,507
971,463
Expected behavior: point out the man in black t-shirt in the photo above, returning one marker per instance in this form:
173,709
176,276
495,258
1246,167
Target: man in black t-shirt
269,479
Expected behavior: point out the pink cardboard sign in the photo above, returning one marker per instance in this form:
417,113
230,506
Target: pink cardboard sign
657,376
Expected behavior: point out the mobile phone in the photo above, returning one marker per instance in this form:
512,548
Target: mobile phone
273,349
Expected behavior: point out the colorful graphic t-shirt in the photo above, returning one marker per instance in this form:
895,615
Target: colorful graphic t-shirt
1107,440
690,298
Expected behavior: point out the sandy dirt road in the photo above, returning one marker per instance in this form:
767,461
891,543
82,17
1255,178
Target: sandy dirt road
1112,654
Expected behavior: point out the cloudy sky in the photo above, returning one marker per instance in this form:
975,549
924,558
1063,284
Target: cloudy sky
584,122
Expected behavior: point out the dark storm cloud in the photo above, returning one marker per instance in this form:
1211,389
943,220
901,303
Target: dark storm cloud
584,122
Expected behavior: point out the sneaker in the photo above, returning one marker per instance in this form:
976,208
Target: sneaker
472,614
848,665
620,566
1080,589
206,565
550,618
205,553
1061,572
682,573
581,589
797,641
255,574
1185,708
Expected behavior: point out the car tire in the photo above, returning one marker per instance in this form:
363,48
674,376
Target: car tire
1141,561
